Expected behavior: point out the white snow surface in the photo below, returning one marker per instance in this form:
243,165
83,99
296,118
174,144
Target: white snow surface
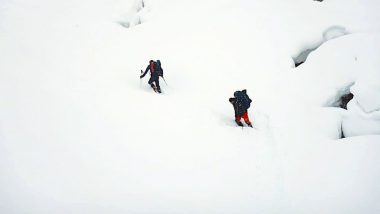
80,133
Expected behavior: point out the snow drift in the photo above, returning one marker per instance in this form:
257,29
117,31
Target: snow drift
79,132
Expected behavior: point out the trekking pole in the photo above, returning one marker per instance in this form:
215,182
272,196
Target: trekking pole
140,78
164,80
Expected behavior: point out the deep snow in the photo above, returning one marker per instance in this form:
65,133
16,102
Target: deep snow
79,132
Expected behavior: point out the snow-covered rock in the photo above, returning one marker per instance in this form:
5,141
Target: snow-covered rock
358,122
347,64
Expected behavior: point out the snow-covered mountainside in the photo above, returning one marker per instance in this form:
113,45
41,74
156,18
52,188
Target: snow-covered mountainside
81,133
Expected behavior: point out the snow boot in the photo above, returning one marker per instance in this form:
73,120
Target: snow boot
249,124
239,123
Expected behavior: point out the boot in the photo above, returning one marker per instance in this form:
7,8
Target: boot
249,124
239,123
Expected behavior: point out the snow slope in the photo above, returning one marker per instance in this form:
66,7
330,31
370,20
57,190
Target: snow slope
80,133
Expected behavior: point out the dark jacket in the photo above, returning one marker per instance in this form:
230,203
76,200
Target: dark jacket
239,109
153,68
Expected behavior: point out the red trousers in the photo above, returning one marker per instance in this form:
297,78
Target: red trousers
244,116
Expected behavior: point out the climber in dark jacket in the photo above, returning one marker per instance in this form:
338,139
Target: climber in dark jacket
155,72
241,102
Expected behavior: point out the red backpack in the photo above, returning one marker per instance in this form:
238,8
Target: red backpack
156,67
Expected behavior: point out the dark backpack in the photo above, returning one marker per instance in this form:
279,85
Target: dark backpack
242,99
158,69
